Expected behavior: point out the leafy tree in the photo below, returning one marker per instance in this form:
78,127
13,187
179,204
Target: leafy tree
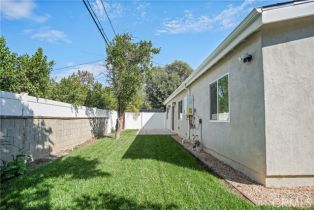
140,102
72,90
24,73
7,68
101,97
127,63
159,85
80,88
180,67
51,90
86,78
163,81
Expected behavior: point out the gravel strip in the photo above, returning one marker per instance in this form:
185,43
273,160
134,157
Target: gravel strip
256,193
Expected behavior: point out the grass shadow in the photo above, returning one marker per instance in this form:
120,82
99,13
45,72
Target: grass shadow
113,202
160,148
32,191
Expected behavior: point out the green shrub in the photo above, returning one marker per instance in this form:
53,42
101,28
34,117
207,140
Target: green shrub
13,168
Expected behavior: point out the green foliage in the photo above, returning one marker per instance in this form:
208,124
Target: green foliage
13,168
86,78
72,90
159,85
80,88
101,97
163,81
127,63
140,102
180,67
24,73
7,66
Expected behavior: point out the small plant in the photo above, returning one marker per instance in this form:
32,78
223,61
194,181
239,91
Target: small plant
13,168
16,166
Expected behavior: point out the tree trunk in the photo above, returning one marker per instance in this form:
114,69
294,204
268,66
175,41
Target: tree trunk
119,125
123,124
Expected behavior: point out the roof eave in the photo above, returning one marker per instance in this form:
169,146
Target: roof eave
232,40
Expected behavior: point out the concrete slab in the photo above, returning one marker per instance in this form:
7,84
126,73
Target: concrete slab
163,131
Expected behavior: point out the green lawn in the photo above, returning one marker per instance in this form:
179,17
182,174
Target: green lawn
136,172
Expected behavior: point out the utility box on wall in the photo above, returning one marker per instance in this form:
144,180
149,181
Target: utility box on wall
188,105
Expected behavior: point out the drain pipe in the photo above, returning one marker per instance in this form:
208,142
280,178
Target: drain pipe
189,129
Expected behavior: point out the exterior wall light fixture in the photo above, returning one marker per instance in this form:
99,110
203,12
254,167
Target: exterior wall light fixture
246,58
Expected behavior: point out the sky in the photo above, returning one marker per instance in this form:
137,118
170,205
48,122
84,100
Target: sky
184,30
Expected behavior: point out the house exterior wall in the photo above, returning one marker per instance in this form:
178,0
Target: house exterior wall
288,60
240,142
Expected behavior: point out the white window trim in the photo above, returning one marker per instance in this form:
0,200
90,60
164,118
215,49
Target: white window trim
216,80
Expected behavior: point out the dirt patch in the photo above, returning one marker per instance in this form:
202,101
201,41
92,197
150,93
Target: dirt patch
254,192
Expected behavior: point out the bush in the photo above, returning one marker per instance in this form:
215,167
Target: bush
13,168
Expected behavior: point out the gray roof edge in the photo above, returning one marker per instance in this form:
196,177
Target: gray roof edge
243,30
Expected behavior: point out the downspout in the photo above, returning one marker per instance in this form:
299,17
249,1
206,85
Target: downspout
189,93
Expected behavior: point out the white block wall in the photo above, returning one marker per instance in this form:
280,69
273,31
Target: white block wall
12,104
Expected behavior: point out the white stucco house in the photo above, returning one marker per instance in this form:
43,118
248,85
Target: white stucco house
251,102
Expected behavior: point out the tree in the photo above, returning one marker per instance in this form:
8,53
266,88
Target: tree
7,67
101,97
181,68
80,88
140,102
127,63
30,74
163,81
72,90
86,78
159,85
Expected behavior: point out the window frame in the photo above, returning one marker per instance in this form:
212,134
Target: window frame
216,81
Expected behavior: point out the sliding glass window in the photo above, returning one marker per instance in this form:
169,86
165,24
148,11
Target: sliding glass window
219,99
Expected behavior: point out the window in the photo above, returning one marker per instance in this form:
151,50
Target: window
167,112
219,99
180,110
213,101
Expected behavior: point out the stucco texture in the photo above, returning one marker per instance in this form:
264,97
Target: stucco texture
288,60
240,142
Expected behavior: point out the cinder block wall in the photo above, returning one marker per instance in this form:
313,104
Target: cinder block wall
41,137
41,127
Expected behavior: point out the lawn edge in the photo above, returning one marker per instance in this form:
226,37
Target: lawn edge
233,189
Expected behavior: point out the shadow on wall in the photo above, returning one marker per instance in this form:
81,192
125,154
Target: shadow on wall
56,126
26,135
156,121
32,191
160,148
99,125
136,116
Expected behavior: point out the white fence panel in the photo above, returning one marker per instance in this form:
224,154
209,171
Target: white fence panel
133,120
153,120
145,120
